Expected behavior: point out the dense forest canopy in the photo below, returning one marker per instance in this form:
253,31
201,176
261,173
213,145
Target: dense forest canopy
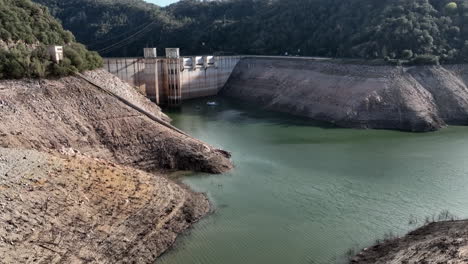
423,31
26,29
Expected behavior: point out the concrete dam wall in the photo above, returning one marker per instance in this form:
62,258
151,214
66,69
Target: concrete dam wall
168,81
421,98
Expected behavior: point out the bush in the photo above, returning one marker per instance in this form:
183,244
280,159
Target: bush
407,54
425,60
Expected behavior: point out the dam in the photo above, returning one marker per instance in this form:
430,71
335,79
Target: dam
347,93
169,80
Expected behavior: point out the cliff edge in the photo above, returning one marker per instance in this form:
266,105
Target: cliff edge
419,98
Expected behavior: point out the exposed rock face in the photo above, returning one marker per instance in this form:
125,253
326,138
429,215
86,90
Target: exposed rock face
441,242
73,209
71,113
349,95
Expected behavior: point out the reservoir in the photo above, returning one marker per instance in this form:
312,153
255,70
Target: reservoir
305,192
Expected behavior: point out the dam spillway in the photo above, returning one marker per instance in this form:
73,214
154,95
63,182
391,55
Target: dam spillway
169,80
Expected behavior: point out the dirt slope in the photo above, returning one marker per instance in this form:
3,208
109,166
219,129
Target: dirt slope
81,210
94,205
441,242
71,113
350,95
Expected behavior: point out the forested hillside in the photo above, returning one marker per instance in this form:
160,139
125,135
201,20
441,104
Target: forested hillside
423,31
26,29
114,27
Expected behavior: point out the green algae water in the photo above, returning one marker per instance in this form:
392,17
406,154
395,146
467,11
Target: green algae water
303,192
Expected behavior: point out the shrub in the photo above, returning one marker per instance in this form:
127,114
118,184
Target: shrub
407,54
425,60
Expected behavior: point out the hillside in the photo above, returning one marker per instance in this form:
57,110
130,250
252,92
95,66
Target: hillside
26,29
424,31
85,159
417,98
79,114
117,28
84,174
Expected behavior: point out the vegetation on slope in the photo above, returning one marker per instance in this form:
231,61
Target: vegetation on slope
115,27
421,31
26,29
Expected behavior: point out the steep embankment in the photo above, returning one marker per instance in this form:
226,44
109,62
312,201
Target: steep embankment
94,205
440,242
71,113
349,95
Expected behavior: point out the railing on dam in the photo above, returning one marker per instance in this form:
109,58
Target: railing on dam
168,81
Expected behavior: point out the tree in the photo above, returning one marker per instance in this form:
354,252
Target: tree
366,29
451,7
27,29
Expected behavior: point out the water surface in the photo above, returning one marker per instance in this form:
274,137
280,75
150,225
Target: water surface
303,192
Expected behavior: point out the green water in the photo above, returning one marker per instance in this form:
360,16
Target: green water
306,193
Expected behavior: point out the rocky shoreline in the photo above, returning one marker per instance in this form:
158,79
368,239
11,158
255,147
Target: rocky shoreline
418,99
84,176
437,242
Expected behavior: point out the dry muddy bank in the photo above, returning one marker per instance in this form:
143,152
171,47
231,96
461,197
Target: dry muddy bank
419,99
71,113
98,203
76,209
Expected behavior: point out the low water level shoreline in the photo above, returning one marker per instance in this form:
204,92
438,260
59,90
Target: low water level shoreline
416,98
321,189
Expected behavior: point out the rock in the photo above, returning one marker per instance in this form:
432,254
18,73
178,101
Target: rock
434,243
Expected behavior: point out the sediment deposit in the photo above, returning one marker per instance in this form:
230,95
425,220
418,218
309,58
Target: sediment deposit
419,98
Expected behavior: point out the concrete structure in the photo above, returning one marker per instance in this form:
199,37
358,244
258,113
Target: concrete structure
130,70
170,80
151,73
150,53
173,53
56,53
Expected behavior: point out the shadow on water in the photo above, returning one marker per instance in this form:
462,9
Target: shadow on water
242,112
